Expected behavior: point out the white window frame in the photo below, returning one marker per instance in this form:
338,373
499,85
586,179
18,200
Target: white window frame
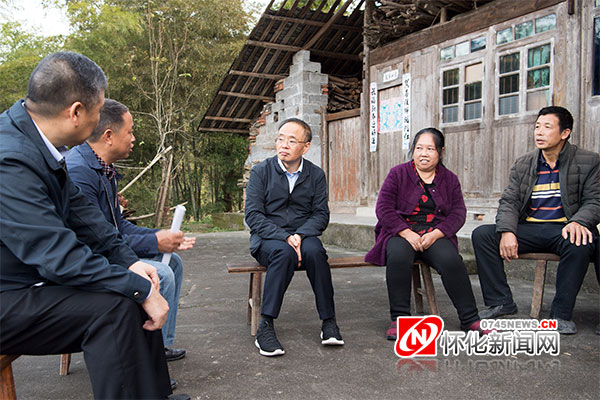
461,91
523,69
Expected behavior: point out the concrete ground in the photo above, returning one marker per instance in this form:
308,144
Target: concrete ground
223,363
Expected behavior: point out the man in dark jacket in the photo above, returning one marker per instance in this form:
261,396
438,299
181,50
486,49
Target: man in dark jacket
91,167
551,204
286,209
68,282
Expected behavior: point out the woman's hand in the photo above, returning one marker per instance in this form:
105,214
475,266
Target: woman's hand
429,238
413,238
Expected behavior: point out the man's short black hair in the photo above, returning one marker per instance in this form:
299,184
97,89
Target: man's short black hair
60,80
111,116
307,130
565,119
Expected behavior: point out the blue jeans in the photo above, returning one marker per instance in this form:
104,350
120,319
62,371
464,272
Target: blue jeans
170,286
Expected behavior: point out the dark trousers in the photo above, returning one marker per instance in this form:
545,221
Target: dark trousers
124,361
442,256
281,261
532,238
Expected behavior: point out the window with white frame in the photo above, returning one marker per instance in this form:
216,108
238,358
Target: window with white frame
524,79
462,92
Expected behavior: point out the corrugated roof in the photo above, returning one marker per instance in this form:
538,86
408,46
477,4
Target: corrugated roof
333,36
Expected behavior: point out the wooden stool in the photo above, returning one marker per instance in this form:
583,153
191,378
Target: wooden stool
429,289
539,279
7,380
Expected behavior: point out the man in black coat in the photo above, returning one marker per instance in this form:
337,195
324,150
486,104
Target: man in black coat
286,209
551,204
68,282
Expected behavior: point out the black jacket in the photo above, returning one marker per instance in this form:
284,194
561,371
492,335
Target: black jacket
49,232
274,213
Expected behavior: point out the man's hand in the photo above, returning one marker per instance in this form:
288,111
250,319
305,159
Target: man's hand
296,242
168,241
157,308
577,234
413,238
188,243
509,246
430,238
146,271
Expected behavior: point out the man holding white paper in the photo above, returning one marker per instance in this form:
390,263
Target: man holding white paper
91,167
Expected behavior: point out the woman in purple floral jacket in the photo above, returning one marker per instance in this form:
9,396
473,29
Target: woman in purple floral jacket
419,209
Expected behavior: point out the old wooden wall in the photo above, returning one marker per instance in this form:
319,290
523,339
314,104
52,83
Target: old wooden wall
482,152
343,153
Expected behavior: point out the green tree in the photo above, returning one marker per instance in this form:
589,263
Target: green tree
164,60
19,54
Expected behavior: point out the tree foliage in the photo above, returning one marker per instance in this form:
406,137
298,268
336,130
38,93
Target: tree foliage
164,60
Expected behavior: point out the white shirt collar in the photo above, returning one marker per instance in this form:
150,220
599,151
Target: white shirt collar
286,171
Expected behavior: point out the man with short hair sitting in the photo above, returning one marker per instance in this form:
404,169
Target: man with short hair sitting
551,204
286,209
91,167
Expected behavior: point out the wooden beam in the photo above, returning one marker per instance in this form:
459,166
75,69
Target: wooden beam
229,119
301,21
257,75
485,16
331,54
327,26
246,96
355,112
223,130
277,46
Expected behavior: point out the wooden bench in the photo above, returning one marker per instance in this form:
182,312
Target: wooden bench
539,279
7,380
255,288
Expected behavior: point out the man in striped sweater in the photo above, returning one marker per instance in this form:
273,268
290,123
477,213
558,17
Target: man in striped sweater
551,204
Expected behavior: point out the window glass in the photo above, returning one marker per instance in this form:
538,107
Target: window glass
450,77
450,96
463,49
478,44
504,36
597,3
450,114
509,63
447,53
596,55
546,23
537,100
523,30
538,56
509,105
538,78
509,84
473,110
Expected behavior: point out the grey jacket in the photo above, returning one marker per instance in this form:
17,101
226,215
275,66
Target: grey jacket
579,177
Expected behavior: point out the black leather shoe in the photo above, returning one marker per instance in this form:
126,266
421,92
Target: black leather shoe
180,396
174,354
498,311
173,384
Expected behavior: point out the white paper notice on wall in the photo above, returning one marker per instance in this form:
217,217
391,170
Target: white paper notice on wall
405,111
373,117
390,75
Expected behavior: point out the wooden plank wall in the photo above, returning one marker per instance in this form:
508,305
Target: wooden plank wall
482,153
344,160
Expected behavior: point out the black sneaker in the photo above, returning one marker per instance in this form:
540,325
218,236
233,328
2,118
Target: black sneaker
266,340
330,333
498,311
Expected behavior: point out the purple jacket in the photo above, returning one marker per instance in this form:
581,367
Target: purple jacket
398,198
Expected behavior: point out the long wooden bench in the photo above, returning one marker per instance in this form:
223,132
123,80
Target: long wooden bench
256,272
